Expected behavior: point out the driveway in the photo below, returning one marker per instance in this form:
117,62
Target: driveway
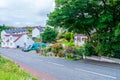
60,69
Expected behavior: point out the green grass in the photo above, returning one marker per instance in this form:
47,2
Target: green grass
68,43
10,71
0,40
73,59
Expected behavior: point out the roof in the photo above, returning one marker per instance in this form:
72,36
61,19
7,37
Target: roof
82,35
41,29
18,38
14,34
8,40
18,30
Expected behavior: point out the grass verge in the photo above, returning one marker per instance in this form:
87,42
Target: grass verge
10,71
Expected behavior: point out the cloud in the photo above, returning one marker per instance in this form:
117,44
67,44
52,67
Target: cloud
25,12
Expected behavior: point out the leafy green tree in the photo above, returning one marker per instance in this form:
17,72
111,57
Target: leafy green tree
69,36
98,19
49,35
3,27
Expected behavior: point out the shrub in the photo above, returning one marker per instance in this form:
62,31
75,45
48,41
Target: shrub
60,53
37,40
69,55
69,52
56,48
70,49
79,51
62,40
89,50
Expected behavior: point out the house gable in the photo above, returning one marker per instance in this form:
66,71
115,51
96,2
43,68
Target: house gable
36,33
79,39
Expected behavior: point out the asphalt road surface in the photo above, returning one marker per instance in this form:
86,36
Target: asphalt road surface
65,69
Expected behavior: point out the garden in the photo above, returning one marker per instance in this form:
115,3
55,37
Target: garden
60,44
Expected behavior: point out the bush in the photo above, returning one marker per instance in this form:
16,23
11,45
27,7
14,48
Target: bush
117,54
56,48
79,51
69,52
37,40
89,50
62,40
60,53
70,49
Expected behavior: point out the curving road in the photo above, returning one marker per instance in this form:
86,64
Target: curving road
64,69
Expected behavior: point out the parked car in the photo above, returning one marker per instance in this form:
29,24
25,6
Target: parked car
34,46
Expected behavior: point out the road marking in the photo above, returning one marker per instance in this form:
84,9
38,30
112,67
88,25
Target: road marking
56,64
41,60
104,75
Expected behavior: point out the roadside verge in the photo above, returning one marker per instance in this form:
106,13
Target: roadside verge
37,73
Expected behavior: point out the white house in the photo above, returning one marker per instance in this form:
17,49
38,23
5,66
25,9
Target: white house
15,38
36,32
79,39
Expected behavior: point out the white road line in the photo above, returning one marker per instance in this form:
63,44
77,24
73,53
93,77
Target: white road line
104,75
56,64
41,60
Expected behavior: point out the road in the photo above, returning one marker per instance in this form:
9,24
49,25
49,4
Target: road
65,69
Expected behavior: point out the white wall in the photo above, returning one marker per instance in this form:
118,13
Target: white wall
24,41
79,41
36,33
3,44
11,45
3,34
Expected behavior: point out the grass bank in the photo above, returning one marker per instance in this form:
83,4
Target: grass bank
10,71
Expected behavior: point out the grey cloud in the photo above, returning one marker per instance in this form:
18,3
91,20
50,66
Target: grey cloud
25,12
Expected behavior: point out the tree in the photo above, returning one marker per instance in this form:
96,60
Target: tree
69,36
84,16
49,35
3,27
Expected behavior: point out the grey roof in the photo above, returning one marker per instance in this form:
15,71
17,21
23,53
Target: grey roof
41,29
79,35
18,30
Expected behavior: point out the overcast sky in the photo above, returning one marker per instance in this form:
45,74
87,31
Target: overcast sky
25,12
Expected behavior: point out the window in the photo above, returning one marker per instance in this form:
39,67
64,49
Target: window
84,39
24,44
3,38
79,39
10,44
38,35
10,38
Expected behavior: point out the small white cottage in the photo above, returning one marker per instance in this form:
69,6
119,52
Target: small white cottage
79,39
36,32
15,38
